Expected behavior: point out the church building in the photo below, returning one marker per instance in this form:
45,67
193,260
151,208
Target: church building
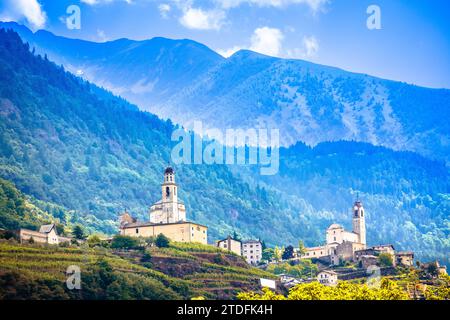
340,244
167,216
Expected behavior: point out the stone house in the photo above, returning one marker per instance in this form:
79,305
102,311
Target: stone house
230,244
47,234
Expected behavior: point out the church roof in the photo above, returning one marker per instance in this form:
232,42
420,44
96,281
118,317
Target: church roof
335,226
168,170
151,224
160,201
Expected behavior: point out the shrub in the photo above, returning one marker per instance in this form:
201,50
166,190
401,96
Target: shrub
124,242
385,260
162,241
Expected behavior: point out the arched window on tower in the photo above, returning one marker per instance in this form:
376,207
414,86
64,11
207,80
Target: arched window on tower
167,191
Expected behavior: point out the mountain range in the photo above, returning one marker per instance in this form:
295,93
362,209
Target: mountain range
186,81
83,155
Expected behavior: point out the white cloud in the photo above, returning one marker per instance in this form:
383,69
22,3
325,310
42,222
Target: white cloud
101,36
229,52
311,46
164,10
264,40
197,18
267,41
314,5
29,10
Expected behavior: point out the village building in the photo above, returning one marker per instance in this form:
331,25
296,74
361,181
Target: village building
368,260
328,277
405,258
167,217
47,234
252,251
341,245
230,244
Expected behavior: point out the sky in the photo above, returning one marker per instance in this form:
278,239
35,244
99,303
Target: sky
404,40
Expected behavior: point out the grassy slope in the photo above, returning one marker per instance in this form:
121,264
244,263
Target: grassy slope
178,272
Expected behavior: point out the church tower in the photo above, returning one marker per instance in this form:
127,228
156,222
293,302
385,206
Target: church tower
359,221
169,195
169,209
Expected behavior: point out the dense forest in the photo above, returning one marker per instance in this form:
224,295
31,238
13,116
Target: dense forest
67,142
82,155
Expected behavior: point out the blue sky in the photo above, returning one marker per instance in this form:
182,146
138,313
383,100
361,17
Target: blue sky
413,44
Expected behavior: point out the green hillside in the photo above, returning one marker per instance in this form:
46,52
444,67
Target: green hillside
16,211
65,141
179,272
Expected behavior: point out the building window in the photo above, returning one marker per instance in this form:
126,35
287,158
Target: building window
137,230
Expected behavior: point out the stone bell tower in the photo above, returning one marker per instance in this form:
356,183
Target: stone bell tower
169,193
169,209
359,221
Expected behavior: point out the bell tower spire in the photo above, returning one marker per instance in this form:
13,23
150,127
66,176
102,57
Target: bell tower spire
359,221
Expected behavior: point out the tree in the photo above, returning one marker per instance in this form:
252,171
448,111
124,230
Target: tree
60,229
389,290
124,242
162,241
236,236
93,240
288,253
268,254
385,260
301,248
263,245
78,232
277,254
432,270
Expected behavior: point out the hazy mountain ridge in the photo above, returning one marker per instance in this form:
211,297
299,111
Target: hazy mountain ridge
186,81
